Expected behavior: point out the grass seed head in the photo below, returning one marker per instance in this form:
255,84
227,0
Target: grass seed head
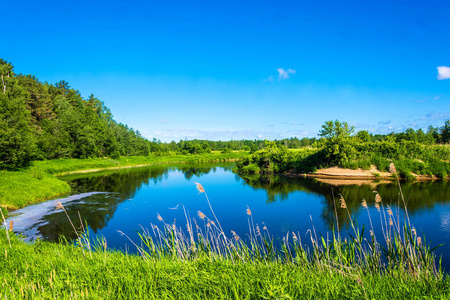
364,203
389,210
343,204
377,198
200,188
11,225
201,215
159,217
59,205
392,168
249,212
377,206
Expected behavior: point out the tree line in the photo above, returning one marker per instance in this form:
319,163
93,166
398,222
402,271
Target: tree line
39,120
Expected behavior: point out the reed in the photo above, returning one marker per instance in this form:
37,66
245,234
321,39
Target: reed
199,260
400,248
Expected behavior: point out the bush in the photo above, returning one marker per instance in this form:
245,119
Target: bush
251,169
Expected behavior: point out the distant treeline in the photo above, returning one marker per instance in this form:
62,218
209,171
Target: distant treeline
202,146
434,135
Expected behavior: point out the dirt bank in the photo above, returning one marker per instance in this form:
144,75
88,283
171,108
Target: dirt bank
335,174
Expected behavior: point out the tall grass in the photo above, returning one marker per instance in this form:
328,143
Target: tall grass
399,249
202,261
57,271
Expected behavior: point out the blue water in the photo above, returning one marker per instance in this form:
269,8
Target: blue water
130,200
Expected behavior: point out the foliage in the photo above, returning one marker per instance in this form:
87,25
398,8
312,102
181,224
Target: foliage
339,148
44,121
278,159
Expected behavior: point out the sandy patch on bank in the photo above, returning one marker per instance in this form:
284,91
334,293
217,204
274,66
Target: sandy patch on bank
340,176
351,181
336,172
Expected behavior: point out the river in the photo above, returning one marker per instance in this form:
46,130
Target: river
130,200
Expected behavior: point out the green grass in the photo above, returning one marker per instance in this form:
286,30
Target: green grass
206,264
50,271
20,188
38,182
59,166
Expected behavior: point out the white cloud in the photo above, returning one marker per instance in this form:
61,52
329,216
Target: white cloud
443,72
284,74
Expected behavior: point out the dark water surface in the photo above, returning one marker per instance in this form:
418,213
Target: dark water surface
130,199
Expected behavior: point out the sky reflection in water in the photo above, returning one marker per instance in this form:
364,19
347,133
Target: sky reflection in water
129,200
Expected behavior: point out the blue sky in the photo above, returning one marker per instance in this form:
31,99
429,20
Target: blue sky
241,69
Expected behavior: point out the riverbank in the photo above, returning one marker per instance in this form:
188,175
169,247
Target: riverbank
48,270
179,268
41,180
343,174
412,161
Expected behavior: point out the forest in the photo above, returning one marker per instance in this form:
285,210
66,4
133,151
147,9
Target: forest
47,121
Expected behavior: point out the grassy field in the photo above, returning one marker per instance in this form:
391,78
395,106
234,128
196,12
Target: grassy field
38,182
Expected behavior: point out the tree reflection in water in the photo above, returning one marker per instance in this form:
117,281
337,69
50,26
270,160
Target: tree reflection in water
418,195
121,186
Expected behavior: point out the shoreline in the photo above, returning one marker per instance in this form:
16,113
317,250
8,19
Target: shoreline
42,181
130,166
337,173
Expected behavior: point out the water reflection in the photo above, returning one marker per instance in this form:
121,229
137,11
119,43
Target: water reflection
111,189
126,199
419,196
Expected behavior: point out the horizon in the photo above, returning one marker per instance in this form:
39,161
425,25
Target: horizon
254,70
